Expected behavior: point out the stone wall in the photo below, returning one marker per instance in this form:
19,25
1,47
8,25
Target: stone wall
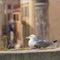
30,55
54,19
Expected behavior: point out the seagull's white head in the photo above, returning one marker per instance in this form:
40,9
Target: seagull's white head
32,37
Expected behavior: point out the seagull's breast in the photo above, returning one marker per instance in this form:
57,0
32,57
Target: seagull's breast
31,43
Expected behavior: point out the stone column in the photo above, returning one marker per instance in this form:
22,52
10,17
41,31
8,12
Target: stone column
41,18
1,16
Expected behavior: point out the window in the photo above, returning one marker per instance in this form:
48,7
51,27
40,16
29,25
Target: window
16,17
16,6
4,30
25,11
9,6
9,16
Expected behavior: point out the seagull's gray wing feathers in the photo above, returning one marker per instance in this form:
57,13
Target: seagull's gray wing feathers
42,43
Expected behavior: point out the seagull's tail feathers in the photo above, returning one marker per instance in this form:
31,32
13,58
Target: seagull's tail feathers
55,41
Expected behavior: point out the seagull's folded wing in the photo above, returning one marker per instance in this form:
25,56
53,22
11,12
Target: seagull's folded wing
42,43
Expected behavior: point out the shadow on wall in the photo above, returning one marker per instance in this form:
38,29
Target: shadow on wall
26,31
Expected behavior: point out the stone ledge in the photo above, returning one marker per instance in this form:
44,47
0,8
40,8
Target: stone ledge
13,51
34,54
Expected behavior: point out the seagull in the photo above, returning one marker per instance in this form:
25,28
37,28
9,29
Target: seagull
34,42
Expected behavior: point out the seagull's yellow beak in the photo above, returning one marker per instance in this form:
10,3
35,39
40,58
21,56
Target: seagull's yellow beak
27,38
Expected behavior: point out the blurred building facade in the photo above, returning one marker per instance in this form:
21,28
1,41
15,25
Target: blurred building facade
13,19
42,17
34,17
2,22
27,19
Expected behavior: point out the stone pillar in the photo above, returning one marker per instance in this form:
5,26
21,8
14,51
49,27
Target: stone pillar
41,18
1,16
